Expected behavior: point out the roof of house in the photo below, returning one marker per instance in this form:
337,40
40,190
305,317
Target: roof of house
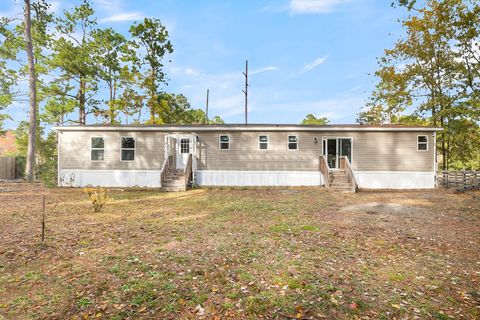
243,127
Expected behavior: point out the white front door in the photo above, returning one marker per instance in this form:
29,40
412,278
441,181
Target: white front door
184,148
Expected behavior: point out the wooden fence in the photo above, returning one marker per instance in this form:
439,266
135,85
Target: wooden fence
8,168
460,180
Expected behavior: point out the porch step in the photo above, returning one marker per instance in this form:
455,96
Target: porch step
339,182
173,189
174,181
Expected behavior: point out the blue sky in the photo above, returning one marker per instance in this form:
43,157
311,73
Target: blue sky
305,56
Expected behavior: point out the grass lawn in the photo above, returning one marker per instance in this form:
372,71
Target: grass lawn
240,254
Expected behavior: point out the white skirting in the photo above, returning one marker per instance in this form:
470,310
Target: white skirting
395,180
258,178
110,178
151,178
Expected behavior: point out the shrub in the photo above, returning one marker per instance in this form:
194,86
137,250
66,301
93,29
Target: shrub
98,197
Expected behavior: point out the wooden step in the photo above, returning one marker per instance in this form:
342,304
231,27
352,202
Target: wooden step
341,186
173,189
343,190
174,183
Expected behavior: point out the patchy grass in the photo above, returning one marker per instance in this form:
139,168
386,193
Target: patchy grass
240,253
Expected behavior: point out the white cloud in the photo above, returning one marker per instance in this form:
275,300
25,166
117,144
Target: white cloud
314,6
115,11
262,70
124,17
191,72
355,88
315,63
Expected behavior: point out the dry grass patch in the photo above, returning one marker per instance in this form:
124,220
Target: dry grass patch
230,253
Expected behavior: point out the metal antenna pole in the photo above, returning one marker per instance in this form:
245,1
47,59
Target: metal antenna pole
206,108
246,91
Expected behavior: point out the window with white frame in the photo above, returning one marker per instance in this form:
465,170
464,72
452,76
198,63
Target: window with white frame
184,145
128,148
263,142
422,143
97,149
292,143
224,142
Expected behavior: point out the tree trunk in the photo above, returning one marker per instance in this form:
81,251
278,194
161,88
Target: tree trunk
152,96
152,114
114,100
110,102
444,150
81,102
32,130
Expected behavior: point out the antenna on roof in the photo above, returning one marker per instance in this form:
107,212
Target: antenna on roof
246,91
206,107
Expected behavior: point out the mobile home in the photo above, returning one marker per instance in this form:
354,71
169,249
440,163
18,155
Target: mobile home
341,157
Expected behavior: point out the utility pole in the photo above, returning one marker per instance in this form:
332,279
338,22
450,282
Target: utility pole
246,91
206,108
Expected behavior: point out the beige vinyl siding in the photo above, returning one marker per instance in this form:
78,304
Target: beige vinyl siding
372,151
75,150
391,151
244,153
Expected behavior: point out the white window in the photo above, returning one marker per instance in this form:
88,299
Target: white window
128,148
422,143
292,143
263,142
224,142
185,145
98,149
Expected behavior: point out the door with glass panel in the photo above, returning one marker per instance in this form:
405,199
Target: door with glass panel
184,149
334,148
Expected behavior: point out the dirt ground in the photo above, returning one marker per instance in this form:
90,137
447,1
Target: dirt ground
265,253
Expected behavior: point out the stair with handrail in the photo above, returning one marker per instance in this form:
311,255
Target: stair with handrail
341,180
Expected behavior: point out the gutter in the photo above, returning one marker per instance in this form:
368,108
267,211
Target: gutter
243,129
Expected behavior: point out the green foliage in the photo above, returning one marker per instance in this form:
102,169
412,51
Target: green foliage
73,58
434,68
311,119
175,109
152,36
113,55
46,166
